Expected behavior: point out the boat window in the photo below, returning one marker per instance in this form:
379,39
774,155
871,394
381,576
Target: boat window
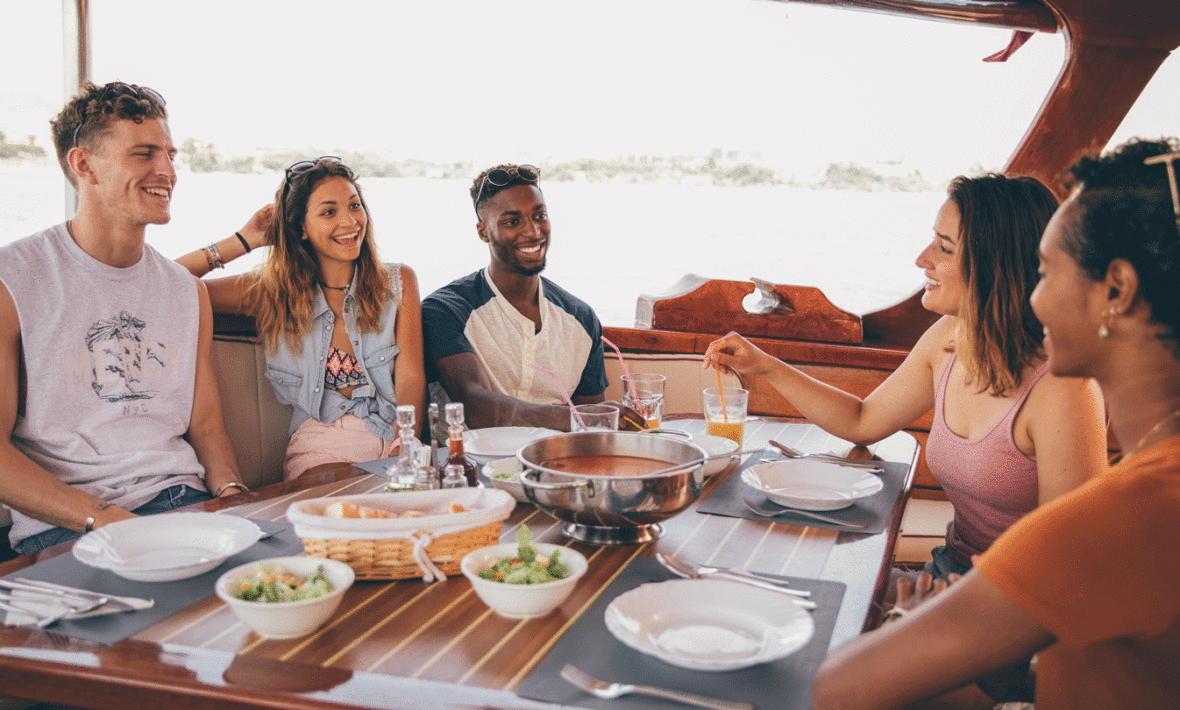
32,190
726,138
1155,111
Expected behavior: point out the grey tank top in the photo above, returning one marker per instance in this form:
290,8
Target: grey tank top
110,360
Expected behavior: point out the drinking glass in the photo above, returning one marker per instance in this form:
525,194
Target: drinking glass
728,420
597,417
645,394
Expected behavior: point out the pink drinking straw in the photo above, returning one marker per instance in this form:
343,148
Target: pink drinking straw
573,409
623,364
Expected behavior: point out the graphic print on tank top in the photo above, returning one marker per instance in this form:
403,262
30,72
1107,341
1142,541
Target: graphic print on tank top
124,365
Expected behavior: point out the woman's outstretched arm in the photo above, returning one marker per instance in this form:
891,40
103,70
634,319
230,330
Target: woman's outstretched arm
904,396
228,295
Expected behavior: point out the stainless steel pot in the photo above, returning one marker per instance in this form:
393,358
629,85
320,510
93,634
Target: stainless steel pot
611,510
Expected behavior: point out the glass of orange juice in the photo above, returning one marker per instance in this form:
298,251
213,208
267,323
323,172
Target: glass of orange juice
645,394
728,419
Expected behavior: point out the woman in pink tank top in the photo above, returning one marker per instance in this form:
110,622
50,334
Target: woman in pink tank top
1006,436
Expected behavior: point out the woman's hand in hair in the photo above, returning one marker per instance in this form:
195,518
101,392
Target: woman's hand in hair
258,227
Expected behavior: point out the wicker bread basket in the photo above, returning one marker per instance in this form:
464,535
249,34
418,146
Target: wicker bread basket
430,546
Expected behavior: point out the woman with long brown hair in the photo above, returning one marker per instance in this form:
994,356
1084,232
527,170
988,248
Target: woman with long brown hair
343,331
1007,436
1091,582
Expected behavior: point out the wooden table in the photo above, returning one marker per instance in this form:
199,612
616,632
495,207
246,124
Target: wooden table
411,644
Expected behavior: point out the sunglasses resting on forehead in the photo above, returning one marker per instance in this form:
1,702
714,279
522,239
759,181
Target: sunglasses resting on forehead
118,88
502,176
306,166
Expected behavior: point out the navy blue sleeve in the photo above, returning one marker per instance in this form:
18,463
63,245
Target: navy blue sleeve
593,380
444,317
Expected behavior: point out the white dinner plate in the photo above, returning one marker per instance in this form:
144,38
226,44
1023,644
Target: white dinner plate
487,445
710,624
812,484
168,546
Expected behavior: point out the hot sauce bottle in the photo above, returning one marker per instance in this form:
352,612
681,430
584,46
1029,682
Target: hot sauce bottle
454,415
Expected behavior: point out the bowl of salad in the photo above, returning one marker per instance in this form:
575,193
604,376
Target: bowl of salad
505,475
524,580
285,597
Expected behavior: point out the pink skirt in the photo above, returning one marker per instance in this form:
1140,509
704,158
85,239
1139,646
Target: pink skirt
346,440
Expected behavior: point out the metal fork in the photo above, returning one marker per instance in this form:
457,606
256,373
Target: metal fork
766,513
603,689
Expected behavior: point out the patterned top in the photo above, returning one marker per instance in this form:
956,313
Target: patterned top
343,371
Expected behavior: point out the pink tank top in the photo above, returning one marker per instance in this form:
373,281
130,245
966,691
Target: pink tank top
990,482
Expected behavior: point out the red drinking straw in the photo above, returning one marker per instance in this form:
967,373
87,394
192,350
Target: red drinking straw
573,409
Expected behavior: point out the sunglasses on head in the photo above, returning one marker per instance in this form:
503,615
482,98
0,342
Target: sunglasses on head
118,88
306,166
502,176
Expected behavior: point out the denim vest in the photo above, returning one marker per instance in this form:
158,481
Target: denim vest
298,380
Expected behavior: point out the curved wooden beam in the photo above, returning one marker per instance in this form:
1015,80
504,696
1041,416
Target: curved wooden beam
1113,51
1028,15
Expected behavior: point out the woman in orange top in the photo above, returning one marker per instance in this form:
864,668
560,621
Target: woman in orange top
1091,581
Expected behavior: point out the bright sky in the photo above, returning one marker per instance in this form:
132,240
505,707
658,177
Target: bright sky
471,80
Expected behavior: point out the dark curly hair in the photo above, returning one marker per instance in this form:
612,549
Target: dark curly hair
489,190
1124,210
89,116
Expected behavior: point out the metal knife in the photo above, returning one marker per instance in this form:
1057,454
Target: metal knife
126,603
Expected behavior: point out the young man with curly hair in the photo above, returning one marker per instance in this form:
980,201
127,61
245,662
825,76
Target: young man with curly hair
108,401
485,331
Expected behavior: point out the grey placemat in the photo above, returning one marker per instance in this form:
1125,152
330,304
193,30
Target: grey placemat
377,467
872,511
785,683
170,597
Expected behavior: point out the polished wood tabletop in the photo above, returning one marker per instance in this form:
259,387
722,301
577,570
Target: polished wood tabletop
413,644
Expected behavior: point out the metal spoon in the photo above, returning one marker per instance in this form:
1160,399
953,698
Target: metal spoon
767,513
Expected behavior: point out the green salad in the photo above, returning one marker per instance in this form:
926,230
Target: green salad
526,567
267,585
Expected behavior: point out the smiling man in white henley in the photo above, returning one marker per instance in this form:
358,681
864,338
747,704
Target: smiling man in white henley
109,405
484,332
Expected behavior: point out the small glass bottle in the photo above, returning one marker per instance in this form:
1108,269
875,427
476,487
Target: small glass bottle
455,477
434,433
427,476
403,474
454,414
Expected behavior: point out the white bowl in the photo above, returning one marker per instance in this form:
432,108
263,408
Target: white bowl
506,467
709,624
487,445
287,620
713,446
812,484
168,546
522,601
